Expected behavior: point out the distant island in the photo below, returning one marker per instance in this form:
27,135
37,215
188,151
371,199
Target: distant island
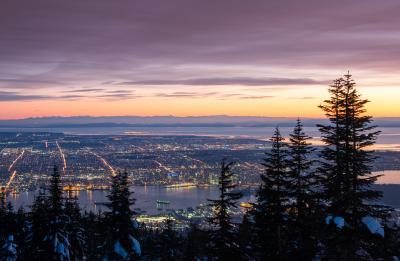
172,121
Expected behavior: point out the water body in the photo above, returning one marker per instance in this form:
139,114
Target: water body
183,198
179,198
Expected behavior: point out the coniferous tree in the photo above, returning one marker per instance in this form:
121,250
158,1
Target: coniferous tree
271,210
74,228
223,240
193,250
4,217
169,243
122,230
21,232
331,167
245,235
305,208
38,218
94,226
8,230
49,240
346,171
57,237
149,240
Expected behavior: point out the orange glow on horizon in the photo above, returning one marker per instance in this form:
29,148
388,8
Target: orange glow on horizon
384,103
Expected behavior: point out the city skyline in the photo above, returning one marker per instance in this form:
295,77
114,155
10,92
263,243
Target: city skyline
194,58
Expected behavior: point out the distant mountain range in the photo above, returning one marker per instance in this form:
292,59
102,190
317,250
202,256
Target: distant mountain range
173,121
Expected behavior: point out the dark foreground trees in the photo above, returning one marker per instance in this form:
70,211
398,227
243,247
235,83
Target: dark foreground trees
8,229
48,238
345,171
223,235
121,241
271,211
55,228
305,206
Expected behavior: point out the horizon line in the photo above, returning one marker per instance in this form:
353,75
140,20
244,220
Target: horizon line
176,116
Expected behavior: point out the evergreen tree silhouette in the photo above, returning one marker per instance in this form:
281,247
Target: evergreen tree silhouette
245,235
22,234
193,250
271,210
8,230
346,171
223,240
5,217
94,226
305,208
122,231
39,220
57,237
49,240
74,228
169,243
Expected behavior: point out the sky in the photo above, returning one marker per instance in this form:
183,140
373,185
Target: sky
191,58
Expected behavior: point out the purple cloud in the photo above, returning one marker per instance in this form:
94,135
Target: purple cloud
245,81
185,42
85,90
185,95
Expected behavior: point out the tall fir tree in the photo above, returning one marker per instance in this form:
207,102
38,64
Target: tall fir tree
245,234
271,210
5,217
169,243
38,219
21,232
57,237
346,171
94,226
48,239
223,234
74,228
193,250
305,208
300,164
331,167
121,242
8,229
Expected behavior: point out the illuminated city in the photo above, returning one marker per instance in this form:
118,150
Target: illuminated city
173,163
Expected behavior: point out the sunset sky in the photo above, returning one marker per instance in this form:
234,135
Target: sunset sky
261,58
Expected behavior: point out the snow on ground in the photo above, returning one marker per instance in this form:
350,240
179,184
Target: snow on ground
118,249
135,245
373,225
338,221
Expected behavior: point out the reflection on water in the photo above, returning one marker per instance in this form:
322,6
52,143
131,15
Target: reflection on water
147,196
169,198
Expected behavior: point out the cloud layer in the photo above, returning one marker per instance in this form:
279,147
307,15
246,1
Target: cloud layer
242,81
110,50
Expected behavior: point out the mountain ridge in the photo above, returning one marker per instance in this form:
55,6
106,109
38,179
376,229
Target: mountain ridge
171,121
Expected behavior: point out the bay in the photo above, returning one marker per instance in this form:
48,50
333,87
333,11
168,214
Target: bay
178,198
146,198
